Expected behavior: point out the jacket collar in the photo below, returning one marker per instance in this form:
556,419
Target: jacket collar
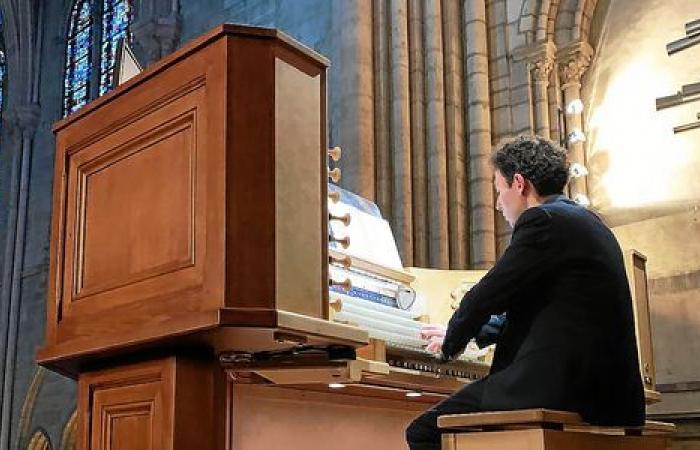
556,198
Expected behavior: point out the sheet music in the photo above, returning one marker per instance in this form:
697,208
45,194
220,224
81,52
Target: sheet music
370,236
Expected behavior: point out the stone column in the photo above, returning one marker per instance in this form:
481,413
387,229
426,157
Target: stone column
483,251
24,118
541,69
351,102
435,137
23,27
381,94
455,135
418,144
157,27
554,94
573,61
540,60
402,201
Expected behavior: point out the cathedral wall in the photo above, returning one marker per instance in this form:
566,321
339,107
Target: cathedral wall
644,177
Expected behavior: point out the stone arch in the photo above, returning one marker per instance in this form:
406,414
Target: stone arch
564,21
39,441
595,29
560,21
543,13
25,418
527,23
21,31
582,19
70,432
569,20
535,18
551,19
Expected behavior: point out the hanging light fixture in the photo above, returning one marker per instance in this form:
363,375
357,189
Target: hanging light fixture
574,107
577,170
582,199
575,135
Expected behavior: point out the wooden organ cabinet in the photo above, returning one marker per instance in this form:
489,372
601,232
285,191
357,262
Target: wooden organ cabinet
188,290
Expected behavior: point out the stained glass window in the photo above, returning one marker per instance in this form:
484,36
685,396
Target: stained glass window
89,71
76,84
116,17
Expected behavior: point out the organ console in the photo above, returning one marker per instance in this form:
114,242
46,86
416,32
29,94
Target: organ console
210,289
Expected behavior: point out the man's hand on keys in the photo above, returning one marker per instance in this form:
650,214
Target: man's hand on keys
435,334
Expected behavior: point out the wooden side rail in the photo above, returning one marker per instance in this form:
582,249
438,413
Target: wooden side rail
540,429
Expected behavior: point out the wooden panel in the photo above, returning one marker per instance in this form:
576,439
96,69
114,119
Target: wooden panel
119,423
275,418
436,286
150,406
300,194
139,212
128,408
122,241
250,201
564,440
635,264
550,440
448,442
125,428
511,440
131,229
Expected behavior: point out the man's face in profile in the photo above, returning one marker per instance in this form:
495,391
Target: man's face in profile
510,200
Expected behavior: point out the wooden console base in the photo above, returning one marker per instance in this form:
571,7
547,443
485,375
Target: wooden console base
177,403
166,404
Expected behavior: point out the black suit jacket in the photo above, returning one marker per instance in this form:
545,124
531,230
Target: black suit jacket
569,340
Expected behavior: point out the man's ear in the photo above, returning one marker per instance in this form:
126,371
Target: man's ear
520,183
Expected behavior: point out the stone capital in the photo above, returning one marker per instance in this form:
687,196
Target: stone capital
574,60
540,59
541,68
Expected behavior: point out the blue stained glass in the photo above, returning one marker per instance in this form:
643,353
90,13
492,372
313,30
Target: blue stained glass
81,61
81,97
83,41
76,86
85,17
82,71
116,18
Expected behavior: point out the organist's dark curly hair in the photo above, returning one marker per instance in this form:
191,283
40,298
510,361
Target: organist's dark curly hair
537,159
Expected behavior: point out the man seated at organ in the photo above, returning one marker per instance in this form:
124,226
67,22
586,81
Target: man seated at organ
558,304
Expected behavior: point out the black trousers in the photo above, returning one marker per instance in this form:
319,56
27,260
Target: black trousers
423,433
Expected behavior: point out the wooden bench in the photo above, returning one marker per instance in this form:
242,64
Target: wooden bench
543,429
